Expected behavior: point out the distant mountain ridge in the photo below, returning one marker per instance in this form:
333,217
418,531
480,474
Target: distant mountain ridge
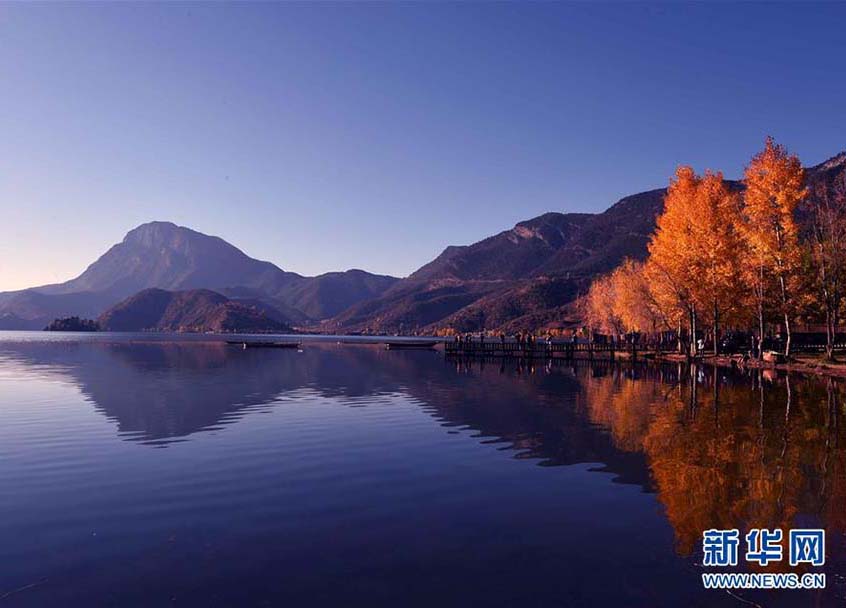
329,294
9,321
195,310
166,256
507,280
525,277
522,278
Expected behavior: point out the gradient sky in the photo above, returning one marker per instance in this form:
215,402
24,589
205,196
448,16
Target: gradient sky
325,137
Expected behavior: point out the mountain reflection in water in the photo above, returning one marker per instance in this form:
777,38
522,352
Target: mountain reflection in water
719,449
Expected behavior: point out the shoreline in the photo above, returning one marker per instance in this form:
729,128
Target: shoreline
803,364
809,366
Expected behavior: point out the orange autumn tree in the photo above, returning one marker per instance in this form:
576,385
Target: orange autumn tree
598,307
709,242
633,303
673,251
774,188
827,254
718,249
621,302
695,253
664,298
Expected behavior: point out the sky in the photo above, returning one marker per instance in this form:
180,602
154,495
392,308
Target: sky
327,136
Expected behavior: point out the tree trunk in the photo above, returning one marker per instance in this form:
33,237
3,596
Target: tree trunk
692,345
787,331
760,297
786,314
827,294
829,332
835,316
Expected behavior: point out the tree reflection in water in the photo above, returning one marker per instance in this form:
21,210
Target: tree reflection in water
721,448
727,450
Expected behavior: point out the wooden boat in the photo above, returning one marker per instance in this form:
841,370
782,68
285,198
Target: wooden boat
262,344
408,345
771,356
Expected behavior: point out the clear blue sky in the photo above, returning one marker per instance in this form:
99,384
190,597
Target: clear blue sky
324,137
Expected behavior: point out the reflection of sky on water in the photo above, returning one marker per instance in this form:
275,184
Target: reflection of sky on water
288,447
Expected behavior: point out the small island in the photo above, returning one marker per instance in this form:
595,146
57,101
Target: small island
72,324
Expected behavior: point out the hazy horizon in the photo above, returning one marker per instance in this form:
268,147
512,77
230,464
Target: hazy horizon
334,136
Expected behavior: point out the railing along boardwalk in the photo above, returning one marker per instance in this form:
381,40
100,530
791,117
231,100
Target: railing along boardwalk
839,347
537,350
571,350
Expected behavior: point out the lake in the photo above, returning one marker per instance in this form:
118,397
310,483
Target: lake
142,470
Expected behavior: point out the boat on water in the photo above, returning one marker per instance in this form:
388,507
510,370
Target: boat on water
408,345
263,344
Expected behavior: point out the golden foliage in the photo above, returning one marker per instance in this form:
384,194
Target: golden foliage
672,254
621,302
715,256
598,307
774,188
724,456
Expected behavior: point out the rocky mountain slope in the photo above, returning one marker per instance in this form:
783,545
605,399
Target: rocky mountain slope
163,255
525,277
196,310
514,278
329,294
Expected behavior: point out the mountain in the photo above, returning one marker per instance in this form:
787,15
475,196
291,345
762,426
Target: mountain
329,294
521,278
9,321
166,256
514,279
163,255
526,277
512,254
196,310
35,308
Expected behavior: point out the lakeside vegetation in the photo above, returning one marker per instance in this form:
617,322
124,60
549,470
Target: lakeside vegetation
72,324
724,256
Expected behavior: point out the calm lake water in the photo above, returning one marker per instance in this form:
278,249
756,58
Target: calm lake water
158,472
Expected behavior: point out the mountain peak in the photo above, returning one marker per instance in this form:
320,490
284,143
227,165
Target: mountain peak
839,160
168,256
159,224
553,228
158,233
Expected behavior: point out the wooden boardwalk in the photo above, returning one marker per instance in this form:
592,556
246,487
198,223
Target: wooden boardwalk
839,347
539,350
587,350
